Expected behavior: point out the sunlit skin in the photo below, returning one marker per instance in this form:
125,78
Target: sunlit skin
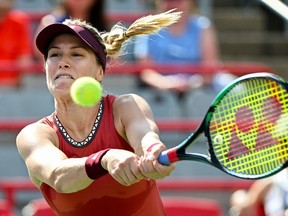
68,58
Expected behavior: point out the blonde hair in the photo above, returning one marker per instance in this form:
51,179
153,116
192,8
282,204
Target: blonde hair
112,41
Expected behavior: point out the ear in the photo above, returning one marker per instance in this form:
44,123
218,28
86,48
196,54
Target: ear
100,74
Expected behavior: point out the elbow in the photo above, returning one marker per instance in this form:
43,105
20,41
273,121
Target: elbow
60,184
61,189
65,184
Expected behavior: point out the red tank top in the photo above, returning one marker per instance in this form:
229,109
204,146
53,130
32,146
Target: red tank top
104,196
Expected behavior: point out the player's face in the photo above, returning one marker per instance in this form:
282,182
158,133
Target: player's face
68,59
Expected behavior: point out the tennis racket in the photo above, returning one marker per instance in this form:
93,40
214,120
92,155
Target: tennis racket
246,128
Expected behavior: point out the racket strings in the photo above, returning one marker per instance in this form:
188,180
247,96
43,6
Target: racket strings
250,98
260,163
247,129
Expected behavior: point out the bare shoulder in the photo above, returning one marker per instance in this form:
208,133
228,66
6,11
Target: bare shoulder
36,128
30,136
127,101
130,108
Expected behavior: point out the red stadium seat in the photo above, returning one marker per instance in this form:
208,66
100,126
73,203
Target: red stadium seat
4,210
37,207
175,206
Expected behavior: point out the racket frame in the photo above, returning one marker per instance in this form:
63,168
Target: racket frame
179,153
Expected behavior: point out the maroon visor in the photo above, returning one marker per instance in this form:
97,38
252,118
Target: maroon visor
48,34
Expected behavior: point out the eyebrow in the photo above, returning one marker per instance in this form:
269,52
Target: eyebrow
73,47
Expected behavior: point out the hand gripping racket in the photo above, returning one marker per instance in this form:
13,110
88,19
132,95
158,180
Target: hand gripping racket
246,128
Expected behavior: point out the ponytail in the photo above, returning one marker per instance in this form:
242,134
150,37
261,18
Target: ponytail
114,39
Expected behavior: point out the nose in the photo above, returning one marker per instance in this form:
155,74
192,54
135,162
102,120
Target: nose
63,64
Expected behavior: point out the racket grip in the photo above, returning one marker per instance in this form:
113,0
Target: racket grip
164,159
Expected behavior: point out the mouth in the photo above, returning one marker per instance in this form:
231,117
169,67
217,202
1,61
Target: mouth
64,76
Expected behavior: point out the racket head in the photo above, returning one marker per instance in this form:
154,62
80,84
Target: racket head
247,126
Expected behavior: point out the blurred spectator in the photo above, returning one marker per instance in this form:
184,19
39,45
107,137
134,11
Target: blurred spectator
15,48
266,197
191,40
92,11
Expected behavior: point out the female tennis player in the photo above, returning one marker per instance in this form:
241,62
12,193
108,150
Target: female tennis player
100,160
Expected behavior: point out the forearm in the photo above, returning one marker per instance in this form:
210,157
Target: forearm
142,135
259,190
147,141
70,176
151,138
47,164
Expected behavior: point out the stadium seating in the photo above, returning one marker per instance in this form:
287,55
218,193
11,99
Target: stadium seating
22,105
37,207
4,210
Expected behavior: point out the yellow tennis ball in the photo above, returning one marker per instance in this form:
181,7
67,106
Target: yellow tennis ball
86,91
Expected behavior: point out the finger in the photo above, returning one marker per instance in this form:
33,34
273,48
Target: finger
142,166
121,176
126,179
153,169
154,151
119,179
131,174
135,173
162,169
147,166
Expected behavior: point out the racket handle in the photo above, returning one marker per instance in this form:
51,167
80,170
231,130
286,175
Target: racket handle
164,159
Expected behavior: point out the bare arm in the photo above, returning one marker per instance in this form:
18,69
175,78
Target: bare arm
37,144
135,122
247,203
210,50
209,46
259,189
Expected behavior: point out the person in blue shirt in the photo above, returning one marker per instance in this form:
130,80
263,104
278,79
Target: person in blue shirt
192,40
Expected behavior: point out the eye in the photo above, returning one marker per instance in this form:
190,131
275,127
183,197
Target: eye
54,54
77,54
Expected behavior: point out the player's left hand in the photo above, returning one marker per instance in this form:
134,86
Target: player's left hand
149,165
